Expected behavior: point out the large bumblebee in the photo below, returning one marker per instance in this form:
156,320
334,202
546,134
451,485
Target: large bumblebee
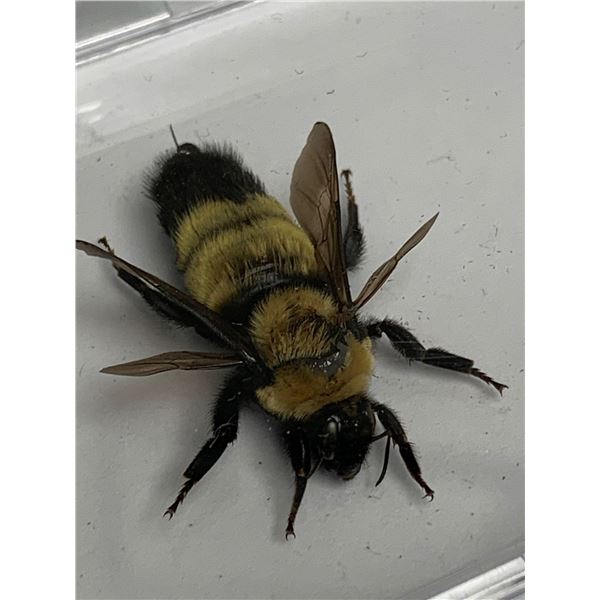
276,297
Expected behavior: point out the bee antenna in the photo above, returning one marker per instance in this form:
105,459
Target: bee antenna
315,466
385,459
174,138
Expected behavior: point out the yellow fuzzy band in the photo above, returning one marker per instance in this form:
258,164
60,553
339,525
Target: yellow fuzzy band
224,247
226,265
299,391
211,215
283,326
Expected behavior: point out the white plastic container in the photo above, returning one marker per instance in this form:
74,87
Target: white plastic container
425,101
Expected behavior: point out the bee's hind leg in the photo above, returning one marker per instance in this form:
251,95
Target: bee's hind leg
354,238
409,346
225,427
162,303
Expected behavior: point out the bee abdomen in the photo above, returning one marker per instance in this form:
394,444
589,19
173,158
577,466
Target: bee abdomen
193,175
230,237
236,259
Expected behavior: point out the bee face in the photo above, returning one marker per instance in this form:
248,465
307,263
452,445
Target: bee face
343,435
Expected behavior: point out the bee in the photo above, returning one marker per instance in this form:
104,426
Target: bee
275,296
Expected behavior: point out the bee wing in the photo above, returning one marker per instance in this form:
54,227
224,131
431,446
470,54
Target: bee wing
314,196
170,361
232,337
380,275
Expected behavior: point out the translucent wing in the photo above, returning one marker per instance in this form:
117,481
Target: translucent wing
379,277
170,361
314,197
234,338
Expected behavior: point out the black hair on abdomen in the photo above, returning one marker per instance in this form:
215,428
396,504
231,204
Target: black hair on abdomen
192,174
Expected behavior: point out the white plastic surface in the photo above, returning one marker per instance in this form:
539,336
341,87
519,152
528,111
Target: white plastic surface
426,105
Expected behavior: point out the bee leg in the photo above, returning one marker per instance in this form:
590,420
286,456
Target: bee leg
392,425
299,452
165,308
409,346
225,427
160,302
155,300
354,239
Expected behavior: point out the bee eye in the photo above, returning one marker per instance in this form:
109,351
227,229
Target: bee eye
329,438
333,426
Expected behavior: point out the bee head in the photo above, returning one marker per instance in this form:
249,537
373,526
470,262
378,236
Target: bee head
342,433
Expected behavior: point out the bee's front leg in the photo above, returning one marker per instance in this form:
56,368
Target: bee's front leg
299,451
394,428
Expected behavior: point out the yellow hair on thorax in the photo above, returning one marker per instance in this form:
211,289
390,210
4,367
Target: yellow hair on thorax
293,323
299,391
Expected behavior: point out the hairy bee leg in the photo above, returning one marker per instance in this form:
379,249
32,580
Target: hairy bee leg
298,495
155,300
299,451
161,304
354,239
225,427
409,346
204,461
163,307
393,426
